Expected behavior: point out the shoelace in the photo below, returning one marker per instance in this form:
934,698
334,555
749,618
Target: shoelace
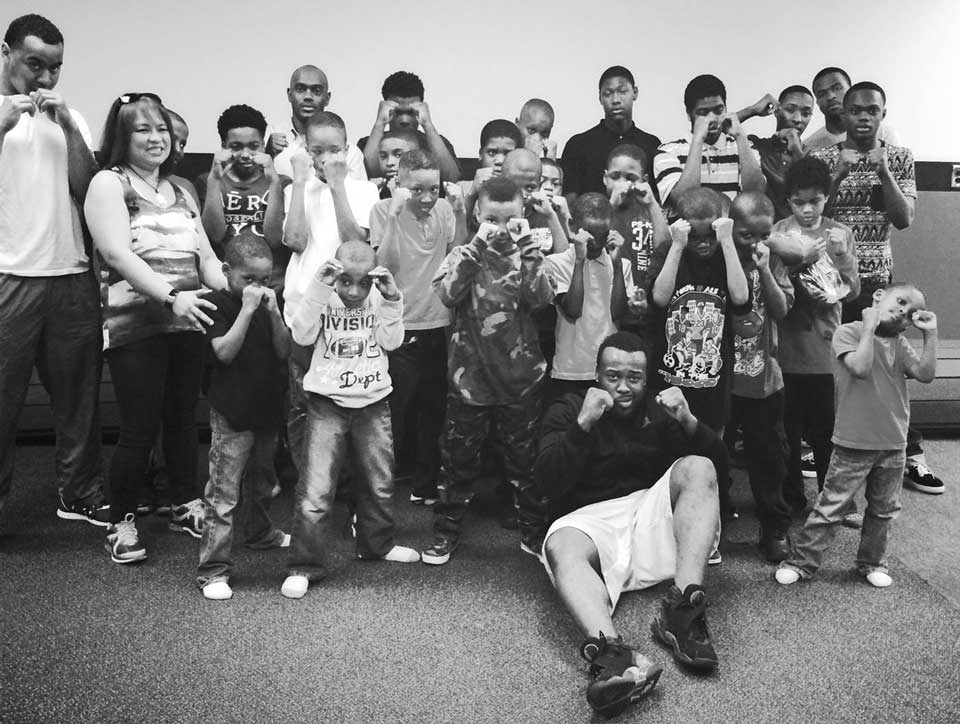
195,509
922,470
127,533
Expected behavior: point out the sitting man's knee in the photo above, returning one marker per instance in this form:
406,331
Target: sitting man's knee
565,545
694,471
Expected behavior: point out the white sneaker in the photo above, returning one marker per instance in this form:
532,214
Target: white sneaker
879,579
218,590
715,558
397,554
295,586
787,576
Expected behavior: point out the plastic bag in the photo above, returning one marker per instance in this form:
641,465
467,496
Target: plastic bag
822,281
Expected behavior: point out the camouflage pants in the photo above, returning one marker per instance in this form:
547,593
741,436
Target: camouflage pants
513,429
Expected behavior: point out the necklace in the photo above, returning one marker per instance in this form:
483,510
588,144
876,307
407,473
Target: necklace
161,201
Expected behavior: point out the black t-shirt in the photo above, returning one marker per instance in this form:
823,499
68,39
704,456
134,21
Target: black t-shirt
585,157
619,455
248,391
693,342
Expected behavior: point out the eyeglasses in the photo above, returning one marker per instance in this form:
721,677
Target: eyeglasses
134,97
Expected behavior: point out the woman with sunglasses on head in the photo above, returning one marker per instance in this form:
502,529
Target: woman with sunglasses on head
154,258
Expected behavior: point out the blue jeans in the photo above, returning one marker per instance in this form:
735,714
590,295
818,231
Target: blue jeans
333,433
53,324
883,472
241,463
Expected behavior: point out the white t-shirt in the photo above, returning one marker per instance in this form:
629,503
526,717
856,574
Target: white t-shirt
40,230
324,236
579,340
355,167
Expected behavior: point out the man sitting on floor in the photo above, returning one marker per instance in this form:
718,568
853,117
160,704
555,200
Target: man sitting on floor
633,503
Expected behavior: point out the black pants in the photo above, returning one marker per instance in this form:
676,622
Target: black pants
764,444
809,414
418,371
156,379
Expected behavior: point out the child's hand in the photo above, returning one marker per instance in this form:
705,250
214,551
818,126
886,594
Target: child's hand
730,124
614,246
488,234
277,141
637,301
761,255
335,170
675,404
877,159
251,296
620,193
264,161
871,319
329,271
383,279
398,200
595,405
560,205
385,112
580,241
924,320
302,163
849,158
482,175
679,232
222,161
541,203
701,126
838,241
270,299
455,197
644,194
724,228
811,249
518,229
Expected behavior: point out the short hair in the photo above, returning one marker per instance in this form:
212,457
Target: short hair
831,69
402,84
118,128
700,203
625,342
418,160
539,104
403,134
630,151
553,163
174,116
520,157
35,25
751,203
865,85
703,86
356,251
500,128
241,116
789,90
244,246
807,172
499,189
326,119
616,71
591,205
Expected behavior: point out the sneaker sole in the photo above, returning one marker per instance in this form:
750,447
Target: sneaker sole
668,639
135,559
434,560
907,483
631,694
423,501
67,515
184,529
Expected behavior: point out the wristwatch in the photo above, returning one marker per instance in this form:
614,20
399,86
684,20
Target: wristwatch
170,298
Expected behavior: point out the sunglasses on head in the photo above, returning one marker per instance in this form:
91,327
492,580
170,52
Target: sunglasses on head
134,97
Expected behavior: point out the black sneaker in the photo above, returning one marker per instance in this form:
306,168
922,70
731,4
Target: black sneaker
438,553
919,477
424,495
620,674
808,466
775,547
123,543
682,625
96,514
188,518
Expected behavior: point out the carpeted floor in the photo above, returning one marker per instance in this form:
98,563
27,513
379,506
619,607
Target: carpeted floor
482,639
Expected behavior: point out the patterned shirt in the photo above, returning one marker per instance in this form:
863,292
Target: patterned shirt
719,166
860,205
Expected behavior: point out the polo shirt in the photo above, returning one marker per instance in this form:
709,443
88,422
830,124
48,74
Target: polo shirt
585,156
719,166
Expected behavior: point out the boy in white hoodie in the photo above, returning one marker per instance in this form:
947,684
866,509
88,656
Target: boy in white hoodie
352,326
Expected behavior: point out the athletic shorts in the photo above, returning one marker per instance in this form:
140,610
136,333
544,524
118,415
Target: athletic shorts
633,535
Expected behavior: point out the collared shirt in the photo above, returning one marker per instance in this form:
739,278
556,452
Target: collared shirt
355,167
774,159
719,165
584,156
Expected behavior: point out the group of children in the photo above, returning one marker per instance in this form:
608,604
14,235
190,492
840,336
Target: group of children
438,319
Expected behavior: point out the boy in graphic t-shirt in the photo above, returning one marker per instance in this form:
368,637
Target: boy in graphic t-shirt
351,326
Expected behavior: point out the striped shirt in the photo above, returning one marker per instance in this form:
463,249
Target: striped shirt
719,166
